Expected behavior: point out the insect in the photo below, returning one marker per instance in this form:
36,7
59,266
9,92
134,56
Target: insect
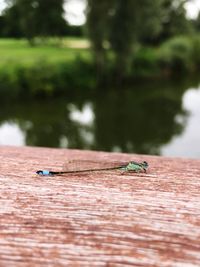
131,166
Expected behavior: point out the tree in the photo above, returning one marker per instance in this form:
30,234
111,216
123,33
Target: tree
174,19
124,23
2,26
121,22
11,27
37,17
132,20
196,23
98,13
53,22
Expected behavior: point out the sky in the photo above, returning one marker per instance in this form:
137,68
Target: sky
193,8
75,10
187,143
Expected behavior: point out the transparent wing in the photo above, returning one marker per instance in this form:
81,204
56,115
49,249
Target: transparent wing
77,165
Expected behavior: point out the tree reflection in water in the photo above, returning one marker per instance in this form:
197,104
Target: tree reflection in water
139,120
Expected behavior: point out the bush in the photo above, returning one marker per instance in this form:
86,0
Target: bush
176,55
145,62
195,41
9,84
43,78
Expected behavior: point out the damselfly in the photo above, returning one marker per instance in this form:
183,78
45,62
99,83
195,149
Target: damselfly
131,166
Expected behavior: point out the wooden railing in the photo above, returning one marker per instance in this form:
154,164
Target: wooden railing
99,218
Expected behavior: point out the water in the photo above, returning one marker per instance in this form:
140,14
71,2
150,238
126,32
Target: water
155,118
188,142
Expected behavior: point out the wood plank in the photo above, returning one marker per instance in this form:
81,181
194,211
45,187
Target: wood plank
100,218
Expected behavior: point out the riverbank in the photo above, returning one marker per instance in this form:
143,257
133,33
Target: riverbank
58,68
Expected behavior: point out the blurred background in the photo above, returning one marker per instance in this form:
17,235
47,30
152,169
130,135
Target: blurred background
102,75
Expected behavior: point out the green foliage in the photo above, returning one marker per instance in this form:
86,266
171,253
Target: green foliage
123,28
48,70
195,40
196,23
11,26
2,26
46,79
98,13
146,63
125,23
176,54
73,30
174,20
35,18
9,85
44,70
121,23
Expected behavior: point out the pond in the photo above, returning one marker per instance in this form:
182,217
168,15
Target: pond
160,118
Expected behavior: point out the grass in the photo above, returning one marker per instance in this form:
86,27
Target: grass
20,52
56,68
46,69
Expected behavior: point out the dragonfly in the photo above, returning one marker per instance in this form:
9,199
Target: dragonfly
131,166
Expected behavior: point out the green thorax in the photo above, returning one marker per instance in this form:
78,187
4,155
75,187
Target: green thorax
134,166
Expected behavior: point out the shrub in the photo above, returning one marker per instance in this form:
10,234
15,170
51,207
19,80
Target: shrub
9,84
195,42
176,55
43,78
145,62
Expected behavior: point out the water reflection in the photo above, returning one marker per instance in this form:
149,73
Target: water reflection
147,120
84,120
138,121
11,134
188,143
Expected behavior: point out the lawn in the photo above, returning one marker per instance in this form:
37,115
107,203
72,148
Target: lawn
57,67
14,51
45,69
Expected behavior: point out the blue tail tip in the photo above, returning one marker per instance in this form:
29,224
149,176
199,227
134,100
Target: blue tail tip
43,172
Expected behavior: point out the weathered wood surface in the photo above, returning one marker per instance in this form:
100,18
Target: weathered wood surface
97,219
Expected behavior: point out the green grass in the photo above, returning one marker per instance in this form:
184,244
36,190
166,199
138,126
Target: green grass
45,69
20,52
56,68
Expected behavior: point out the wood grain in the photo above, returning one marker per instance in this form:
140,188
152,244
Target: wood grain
100,218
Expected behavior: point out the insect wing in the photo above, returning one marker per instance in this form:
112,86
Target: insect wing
77,165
